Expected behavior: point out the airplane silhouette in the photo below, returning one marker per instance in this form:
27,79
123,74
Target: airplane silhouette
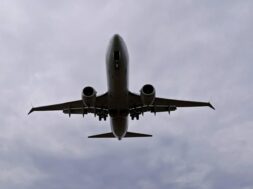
119,103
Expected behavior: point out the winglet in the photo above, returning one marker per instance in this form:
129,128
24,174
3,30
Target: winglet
211,106
31,111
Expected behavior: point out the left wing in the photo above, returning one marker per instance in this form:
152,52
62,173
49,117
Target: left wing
101,102
160,105
135,101
181,103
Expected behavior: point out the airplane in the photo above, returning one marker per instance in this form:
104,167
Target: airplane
118,102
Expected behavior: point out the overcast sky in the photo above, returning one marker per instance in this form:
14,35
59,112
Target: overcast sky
192,50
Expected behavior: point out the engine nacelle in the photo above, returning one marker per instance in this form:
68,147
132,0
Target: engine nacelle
89,96
147,94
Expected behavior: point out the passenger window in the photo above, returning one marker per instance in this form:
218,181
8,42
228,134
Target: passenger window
116,55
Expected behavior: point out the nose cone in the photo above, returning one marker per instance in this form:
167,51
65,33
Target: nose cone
116,40
116,37
117,44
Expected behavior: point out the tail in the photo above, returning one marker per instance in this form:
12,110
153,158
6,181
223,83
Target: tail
128,135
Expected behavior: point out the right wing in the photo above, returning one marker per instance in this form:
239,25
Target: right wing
101,103
62,106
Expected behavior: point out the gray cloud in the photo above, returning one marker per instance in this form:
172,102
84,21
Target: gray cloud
200,50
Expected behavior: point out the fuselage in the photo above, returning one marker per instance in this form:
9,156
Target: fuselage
117,81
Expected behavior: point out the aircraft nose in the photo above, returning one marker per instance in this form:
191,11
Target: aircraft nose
116,37
116,40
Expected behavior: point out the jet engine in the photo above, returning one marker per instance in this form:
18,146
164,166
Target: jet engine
89,96
147,94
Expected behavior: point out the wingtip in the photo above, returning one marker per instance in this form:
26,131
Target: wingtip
211,106
30,111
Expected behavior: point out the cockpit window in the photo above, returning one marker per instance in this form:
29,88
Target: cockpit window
116,55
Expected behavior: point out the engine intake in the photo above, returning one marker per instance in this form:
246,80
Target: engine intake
89,96
147,94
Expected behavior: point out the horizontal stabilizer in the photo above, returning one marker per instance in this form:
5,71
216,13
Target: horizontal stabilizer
130,134
104,135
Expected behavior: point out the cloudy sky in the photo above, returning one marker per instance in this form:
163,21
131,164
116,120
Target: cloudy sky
193,50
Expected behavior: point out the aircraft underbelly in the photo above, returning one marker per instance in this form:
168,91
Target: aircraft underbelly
117,80
119,126
118,87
